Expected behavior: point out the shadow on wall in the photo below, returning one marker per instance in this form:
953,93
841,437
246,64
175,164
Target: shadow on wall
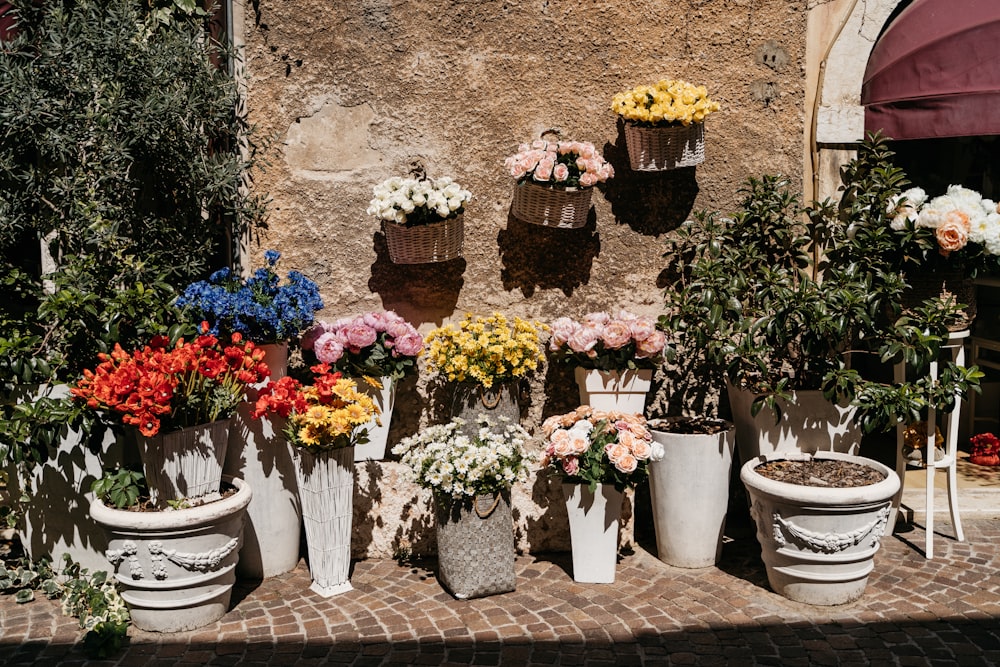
420,293
650,202
540,257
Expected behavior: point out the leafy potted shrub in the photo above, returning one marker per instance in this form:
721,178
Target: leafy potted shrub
485,359
614,357
554,181
102,221
269,312
470,476
324,421
421,217
664,124
378,349
598,454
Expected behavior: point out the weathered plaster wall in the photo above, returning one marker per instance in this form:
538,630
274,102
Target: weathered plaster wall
355,91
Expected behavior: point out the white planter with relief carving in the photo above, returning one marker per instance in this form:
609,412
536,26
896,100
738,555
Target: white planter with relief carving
176,568
818,543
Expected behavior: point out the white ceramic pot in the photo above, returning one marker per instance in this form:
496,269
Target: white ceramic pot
259,455
175,568
326,489
378,429
185,463
594,518
614,391
809,423
689,489
57,513
818,543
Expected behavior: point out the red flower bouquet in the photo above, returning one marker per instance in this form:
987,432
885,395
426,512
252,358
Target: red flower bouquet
327,414
165,387
985,449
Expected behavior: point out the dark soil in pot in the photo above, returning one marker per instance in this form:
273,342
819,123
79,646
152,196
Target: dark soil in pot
820,473
689,425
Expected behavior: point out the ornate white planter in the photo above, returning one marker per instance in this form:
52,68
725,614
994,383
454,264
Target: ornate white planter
818,543
185,463
259,455
57,514
378,434
175,568
326,489
619,391
689,488
475,542
809,423
593,528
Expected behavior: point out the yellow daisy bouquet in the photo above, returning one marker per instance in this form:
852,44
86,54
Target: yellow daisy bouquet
667,101
328,414
485,350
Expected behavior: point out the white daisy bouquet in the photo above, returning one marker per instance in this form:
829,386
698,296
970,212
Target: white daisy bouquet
452,464
418,201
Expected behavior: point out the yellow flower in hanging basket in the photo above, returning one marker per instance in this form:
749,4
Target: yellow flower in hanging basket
667,101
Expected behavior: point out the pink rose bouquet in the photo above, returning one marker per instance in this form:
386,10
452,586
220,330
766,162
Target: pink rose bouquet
375,344
597,447
605,342
567,164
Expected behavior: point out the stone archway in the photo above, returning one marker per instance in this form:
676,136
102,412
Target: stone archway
843,34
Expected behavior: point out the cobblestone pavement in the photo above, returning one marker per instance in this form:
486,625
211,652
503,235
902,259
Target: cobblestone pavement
915,612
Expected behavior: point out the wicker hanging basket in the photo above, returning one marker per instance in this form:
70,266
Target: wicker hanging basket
945,284
550,206
664,147
421,244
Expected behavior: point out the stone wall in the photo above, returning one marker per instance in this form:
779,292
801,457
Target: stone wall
354,91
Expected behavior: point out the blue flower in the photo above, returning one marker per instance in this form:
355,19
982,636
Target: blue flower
260,308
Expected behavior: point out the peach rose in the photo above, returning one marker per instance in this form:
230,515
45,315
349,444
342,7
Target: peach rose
616,334
627,464
583,340
615,451
953,233
641,449
578,442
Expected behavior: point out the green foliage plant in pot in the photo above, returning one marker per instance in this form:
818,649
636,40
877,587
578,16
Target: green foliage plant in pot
118,137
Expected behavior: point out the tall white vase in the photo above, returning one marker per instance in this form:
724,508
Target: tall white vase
259,455
614,391
689,489
326,489
594,519
378,433
57,513
186,463
808,423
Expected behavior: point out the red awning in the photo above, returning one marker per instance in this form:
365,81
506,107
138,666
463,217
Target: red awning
935,72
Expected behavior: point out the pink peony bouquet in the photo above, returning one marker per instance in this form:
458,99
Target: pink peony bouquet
607,342
598,447
375,344
568,164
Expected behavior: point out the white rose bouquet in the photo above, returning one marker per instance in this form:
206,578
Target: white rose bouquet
418,201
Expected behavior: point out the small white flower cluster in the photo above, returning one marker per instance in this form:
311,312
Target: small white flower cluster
403,200
447,461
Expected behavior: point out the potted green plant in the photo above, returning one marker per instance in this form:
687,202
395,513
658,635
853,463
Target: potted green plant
470,477
598,455
102,221
269,312
614,356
